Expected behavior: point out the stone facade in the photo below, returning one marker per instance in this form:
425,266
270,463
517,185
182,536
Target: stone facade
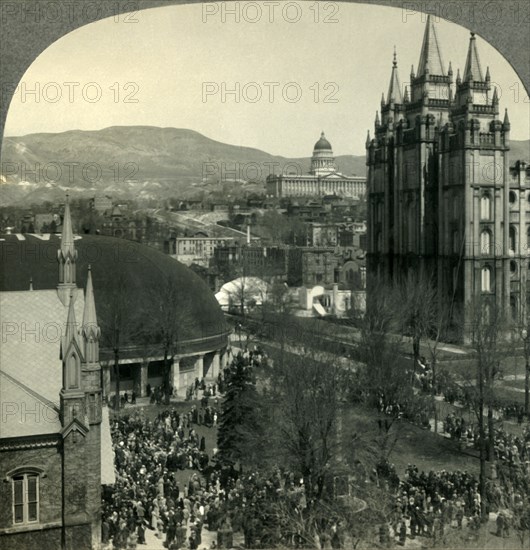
441,195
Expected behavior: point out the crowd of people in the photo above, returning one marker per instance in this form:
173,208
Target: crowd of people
167,482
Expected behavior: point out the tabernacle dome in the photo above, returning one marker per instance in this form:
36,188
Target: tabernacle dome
136,282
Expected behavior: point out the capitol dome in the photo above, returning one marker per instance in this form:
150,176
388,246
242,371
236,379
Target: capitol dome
322,144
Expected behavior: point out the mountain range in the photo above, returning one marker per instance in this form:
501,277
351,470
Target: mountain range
137,162
146,162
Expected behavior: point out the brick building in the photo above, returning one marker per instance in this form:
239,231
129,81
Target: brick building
52,460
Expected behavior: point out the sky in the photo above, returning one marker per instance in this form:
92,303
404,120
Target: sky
293,72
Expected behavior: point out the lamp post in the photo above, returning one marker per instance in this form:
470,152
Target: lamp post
524,334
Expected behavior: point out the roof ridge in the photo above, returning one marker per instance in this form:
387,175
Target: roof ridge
33,393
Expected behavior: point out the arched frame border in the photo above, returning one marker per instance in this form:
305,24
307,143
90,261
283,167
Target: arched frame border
505,24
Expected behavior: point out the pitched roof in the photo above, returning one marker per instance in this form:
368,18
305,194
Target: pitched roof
33,323
394,89
431,55
473,70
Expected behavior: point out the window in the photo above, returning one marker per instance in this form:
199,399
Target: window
486,279
485,242
512,197
25,498
485,207
512,238
513,267
73,373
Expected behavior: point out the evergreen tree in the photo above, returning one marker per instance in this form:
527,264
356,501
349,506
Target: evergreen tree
239,435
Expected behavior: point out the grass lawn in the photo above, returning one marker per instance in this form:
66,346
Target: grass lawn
413,445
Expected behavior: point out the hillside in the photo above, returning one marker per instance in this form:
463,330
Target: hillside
146,162
140,161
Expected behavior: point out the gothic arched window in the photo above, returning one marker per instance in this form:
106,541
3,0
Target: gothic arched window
485,242
485,207
512,239
72,373
486,279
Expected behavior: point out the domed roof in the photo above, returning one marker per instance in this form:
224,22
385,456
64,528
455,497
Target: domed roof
322,144
119,267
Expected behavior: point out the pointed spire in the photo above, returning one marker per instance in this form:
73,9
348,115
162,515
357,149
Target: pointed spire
377,121
383,102
89,313
31,283
394,89
368,140
412,72
67,237
488,77
430,57
450,70
71,325
406,96
458,78
495,100
472,71
506,121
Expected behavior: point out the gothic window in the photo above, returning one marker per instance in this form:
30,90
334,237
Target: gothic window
512,239
25,491
512,197
485,207
486,279
72,372
485,242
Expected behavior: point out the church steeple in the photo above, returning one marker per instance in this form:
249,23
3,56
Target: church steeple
394,89
67,256
90,329
70,334
430,88
473,70
431,57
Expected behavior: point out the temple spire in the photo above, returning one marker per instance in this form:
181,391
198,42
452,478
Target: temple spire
473,70
89,313
71,325
368,140
67,256
430,58
377,121
394,89
67,236
506,121
90,329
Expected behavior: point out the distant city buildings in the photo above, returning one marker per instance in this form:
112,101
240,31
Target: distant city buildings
323,178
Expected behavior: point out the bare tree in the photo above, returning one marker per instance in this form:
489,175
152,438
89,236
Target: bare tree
486,330
173,318
120,322
307,400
